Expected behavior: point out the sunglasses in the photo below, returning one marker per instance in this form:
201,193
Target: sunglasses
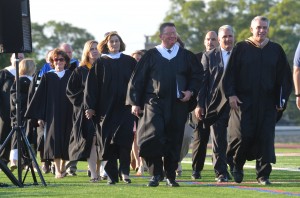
59,59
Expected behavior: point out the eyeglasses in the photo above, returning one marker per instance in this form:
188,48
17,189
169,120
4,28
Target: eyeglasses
59,59
170,33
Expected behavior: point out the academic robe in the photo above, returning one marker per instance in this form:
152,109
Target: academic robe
6,81
154,87
105,93
256,76
34,132
50,104
83,129
24,83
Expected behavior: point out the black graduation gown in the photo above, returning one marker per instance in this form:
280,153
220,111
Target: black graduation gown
83,129
106,93
50,103
256,76
24,86
6,81
153,87
34,132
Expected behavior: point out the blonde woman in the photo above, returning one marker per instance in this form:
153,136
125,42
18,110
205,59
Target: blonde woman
85,143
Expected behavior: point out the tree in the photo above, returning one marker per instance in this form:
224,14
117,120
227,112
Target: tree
194,18
50,35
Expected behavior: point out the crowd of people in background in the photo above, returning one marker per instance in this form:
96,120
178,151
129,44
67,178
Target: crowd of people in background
118,112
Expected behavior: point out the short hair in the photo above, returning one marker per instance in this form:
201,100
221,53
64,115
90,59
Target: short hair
102,46
225,27
65,45
85,59
27,67
164,25
61,52
260,18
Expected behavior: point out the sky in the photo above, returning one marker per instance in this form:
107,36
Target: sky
132,19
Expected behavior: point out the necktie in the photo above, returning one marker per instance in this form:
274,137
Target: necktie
228,53
169,51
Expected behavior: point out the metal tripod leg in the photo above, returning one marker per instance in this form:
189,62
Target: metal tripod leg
9,174
32,157
4,167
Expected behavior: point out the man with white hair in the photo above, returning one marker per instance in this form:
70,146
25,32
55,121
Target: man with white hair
257,82
213,109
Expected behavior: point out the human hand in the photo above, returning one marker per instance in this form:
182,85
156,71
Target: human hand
187,96
234,101
89,113
136,110
41,123
199,113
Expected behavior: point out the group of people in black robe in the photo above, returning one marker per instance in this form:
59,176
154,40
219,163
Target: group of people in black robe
89,113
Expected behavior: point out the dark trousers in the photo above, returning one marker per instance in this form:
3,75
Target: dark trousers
160,166
218,132
199,147
123,154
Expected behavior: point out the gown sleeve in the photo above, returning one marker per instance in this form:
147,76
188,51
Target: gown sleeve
37,105
92,86
75,88
137,83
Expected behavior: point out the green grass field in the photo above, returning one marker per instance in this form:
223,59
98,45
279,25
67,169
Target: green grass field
285,178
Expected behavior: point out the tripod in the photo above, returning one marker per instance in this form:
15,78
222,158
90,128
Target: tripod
23,145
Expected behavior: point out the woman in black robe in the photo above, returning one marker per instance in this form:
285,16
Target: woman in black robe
105,96
53,110
26,69
85,143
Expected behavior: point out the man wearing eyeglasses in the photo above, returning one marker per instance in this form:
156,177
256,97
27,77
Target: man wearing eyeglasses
163,87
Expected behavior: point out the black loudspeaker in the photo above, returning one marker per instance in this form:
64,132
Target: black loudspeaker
15,26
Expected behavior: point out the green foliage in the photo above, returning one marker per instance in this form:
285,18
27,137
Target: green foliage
51,34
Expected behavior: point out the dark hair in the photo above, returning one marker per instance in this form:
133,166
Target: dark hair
57,52
164,25
102,46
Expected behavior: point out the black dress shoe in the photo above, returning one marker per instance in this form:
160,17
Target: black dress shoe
172,183
196,175
111,182
154,181
264,181
238,175
127,181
